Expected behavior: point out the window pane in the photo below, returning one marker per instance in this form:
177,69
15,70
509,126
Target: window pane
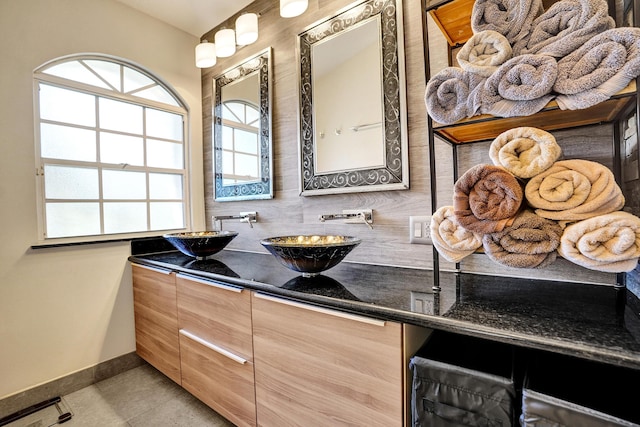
68,182
120,149
68,106
227,138
107,70
72,219
163,154
164,125
120,116
157,93
74,70
64,142
135,80
246,165
124,185
229,112
253,116
125,217
237,110
165,186
247,142
167,215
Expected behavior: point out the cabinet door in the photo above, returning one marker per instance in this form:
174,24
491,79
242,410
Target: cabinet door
156,319
216,347
321,367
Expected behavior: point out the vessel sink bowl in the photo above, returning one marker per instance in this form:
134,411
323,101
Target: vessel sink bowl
201,244
310,255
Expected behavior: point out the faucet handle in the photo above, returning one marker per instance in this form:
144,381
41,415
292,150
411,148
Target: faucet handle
249,217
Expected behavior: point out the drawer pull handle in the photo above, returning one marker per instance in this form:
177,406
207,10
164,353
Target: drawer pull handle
317,309
210,283
157,270
213,347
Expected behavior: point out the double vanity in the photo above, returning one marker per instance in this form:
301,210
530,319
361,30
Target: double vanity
248,336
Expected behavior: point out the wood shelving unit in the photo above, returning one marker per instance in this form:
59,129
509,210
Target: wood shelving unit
453,18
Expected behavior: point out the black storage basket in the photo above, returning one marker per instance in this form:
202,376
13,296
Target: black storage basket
463,381
565,391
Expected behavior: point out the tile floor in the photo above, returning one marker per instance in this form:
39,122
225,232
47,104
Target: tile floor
139,397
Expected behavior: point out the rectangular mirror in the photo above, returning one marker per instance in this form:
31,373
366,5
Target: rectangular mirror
242,131
353,134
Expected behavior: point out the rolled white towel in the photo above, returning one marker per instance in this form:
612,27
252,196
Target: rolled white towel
609,242
484,52
450,240
525,151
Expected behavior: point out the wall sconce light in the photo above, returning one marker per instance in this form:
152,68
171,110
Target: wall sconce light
291,8
205,55
225,42
246,29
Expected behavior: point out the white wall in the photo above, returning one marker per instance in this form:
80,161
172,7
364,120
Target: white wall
67,309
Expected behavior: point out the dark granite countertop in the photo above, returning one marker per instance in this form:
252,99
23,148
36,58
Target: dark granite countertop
590,321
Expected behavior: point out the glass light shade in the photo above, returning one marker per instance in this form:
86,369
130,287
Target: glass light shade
246,29
205,55
291,8
225,42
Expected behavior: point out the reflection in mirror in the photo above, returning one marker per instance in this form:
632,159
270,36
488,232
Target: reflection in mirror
242,131
352,101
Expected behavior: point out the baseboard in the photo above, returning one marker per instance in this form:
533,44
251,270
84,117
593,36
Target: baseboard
70,383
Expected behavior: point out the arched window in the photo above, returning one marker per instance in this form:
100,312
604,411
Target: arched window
110,149
240,142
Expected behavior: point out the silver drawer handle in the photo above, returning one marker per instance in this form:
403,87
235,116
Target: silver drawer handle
157,270
335,313
208,283
213,347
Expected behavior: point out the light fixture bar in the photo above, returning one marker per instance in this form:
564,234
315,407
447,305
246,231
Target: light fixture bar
292,8
205,55
246,29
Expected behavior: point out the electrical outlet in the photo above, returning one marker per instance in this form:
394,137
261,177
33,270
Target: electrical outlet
422,302
419,231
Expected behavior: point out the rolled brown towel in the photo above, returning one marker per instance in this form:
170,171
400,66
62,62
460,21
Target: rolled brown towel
609,242
530,242
573,190
486,199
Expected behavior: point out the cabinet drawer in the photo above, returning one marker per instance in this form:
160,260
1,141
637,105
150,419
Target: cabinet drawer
314,366
217,313
221,380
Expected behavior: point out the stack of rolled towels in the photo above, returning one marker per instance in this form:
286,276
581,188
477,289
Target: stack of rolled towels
521,57
529,206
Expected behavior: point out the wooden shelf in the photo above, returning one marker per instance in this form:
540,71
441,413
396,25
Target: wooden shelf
453,19
487,127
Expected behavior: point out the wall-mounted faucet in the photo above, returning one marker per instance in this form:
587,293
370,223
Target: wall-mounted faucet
351,216
248,217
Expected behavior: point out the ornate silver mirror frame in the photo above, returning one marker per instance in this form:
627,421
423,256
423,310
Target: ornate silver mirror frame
393,171
259,183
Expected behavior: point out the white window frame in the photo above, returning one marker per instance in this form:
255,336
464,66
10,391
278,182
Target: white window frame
39,77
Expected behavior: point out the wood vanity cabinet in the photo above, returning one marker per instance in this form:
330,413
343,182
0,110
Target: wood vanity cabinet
216,347
320,367
156,319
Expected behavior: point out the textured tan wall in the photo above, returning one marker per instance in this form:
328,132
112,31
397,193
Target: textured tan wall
290,213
